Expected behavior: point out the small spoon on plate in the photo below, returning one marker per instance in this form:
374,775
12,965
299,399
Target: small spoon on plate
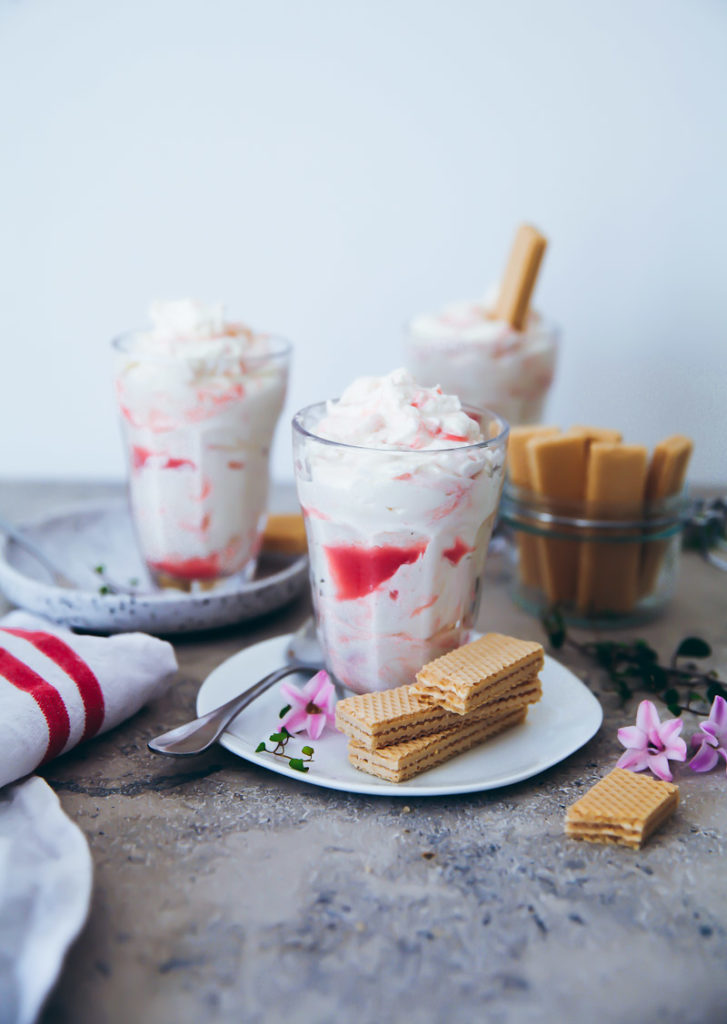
303,655
59,578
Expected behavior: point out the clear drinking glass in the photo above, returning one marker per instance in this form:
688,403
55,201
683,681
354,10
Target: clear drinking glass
397,541
198,433
510,373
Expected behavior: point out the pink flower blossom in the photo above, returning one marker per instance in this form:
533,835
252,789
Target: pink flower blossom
651,743
311,708
713,741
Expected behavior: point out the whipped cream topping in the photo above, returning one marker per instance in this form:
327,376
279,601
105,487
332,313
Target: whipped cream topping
186,318
188,329
468,321
394,412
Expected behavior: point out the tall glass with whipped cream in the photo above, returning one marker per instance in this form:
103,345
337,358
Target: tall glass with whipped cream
399,485
485,361
199,398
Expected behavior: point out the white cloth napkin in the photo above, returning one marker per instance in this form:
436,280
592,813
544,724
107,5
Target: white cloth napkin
58,688
45,890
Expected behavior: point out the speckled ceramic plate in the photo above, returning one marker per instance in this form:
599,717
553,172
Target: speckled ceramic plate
102,534
565,718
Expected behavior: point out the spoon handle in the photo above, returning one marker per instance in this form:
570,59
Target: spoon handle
32,548
196,736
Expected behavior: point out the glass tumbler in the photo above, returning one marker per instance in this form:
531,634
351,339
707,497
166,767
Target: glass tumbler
397,541
198,432
510,374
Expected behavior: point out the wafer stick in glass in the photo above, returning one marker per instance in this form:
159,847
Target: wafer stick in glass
558,472
592,434
521,273
519,471
608,573
666,476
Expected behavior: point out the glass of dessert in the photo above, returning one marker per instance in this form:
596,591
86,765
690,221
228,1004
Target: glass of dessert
199,398
399,486
495,352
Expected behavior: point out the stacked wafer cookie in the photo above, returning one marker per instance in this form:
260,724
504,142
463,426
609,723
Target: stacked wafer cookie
458,701
623,808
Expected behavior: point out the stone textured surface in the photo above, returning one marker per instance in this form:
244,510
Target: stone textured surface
225,893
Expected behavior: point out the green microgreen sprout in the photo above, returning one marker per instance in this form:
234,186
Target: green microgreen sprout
281,740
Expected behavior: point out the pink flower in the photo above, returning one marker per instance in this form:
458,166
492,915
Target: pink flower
713,742
312,708
651,743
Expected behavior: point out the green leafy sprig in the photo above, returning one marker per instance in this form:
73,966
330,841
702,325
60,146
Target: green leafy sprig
281,740
634,667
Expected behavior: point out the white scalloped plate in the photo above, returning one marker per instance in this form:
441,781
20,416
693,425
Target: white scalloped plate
565,718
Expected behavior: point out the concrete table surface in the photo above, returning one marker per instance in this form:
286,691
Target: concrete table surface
226,893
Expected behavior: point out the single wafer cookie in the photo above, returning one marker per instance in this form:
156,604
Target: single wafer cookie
403,761
285,534
385,717
471,675
624,807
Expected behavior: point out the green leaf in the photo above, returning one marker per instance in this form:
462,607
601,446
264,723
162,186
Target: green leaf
308,751
693,647
260,747
295,762
554,625
604,653
716,690
104,590
671,699
284,711
99,569
276,737
656,678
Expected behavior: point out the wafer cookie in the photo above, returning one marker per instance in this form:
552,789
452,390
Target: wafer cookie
386,717
478,672
666,477
518,468
285,534
403,761
558,471
521,273
623,808
608,573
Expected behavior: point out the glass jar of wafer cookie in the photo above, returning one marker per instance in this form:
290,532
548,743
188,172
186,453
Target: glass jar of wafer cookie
595,524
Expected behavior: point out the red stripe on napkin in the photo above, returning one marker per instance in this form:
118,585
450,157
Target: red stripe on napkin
74,666
46,697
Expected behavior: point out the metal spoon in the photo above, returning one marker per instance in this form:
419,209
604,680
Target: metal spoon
303,655
59,578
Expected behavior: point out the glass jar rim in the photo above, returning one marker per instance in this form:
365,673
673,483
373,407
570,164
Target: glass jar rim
520,505
499,439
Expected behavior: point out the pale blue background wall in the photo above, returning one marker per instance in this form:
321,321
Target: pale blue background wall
329,168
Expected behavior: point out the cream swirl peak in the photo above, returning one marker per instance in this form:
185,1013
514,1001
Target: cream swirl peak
394,412
468,320
191,330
